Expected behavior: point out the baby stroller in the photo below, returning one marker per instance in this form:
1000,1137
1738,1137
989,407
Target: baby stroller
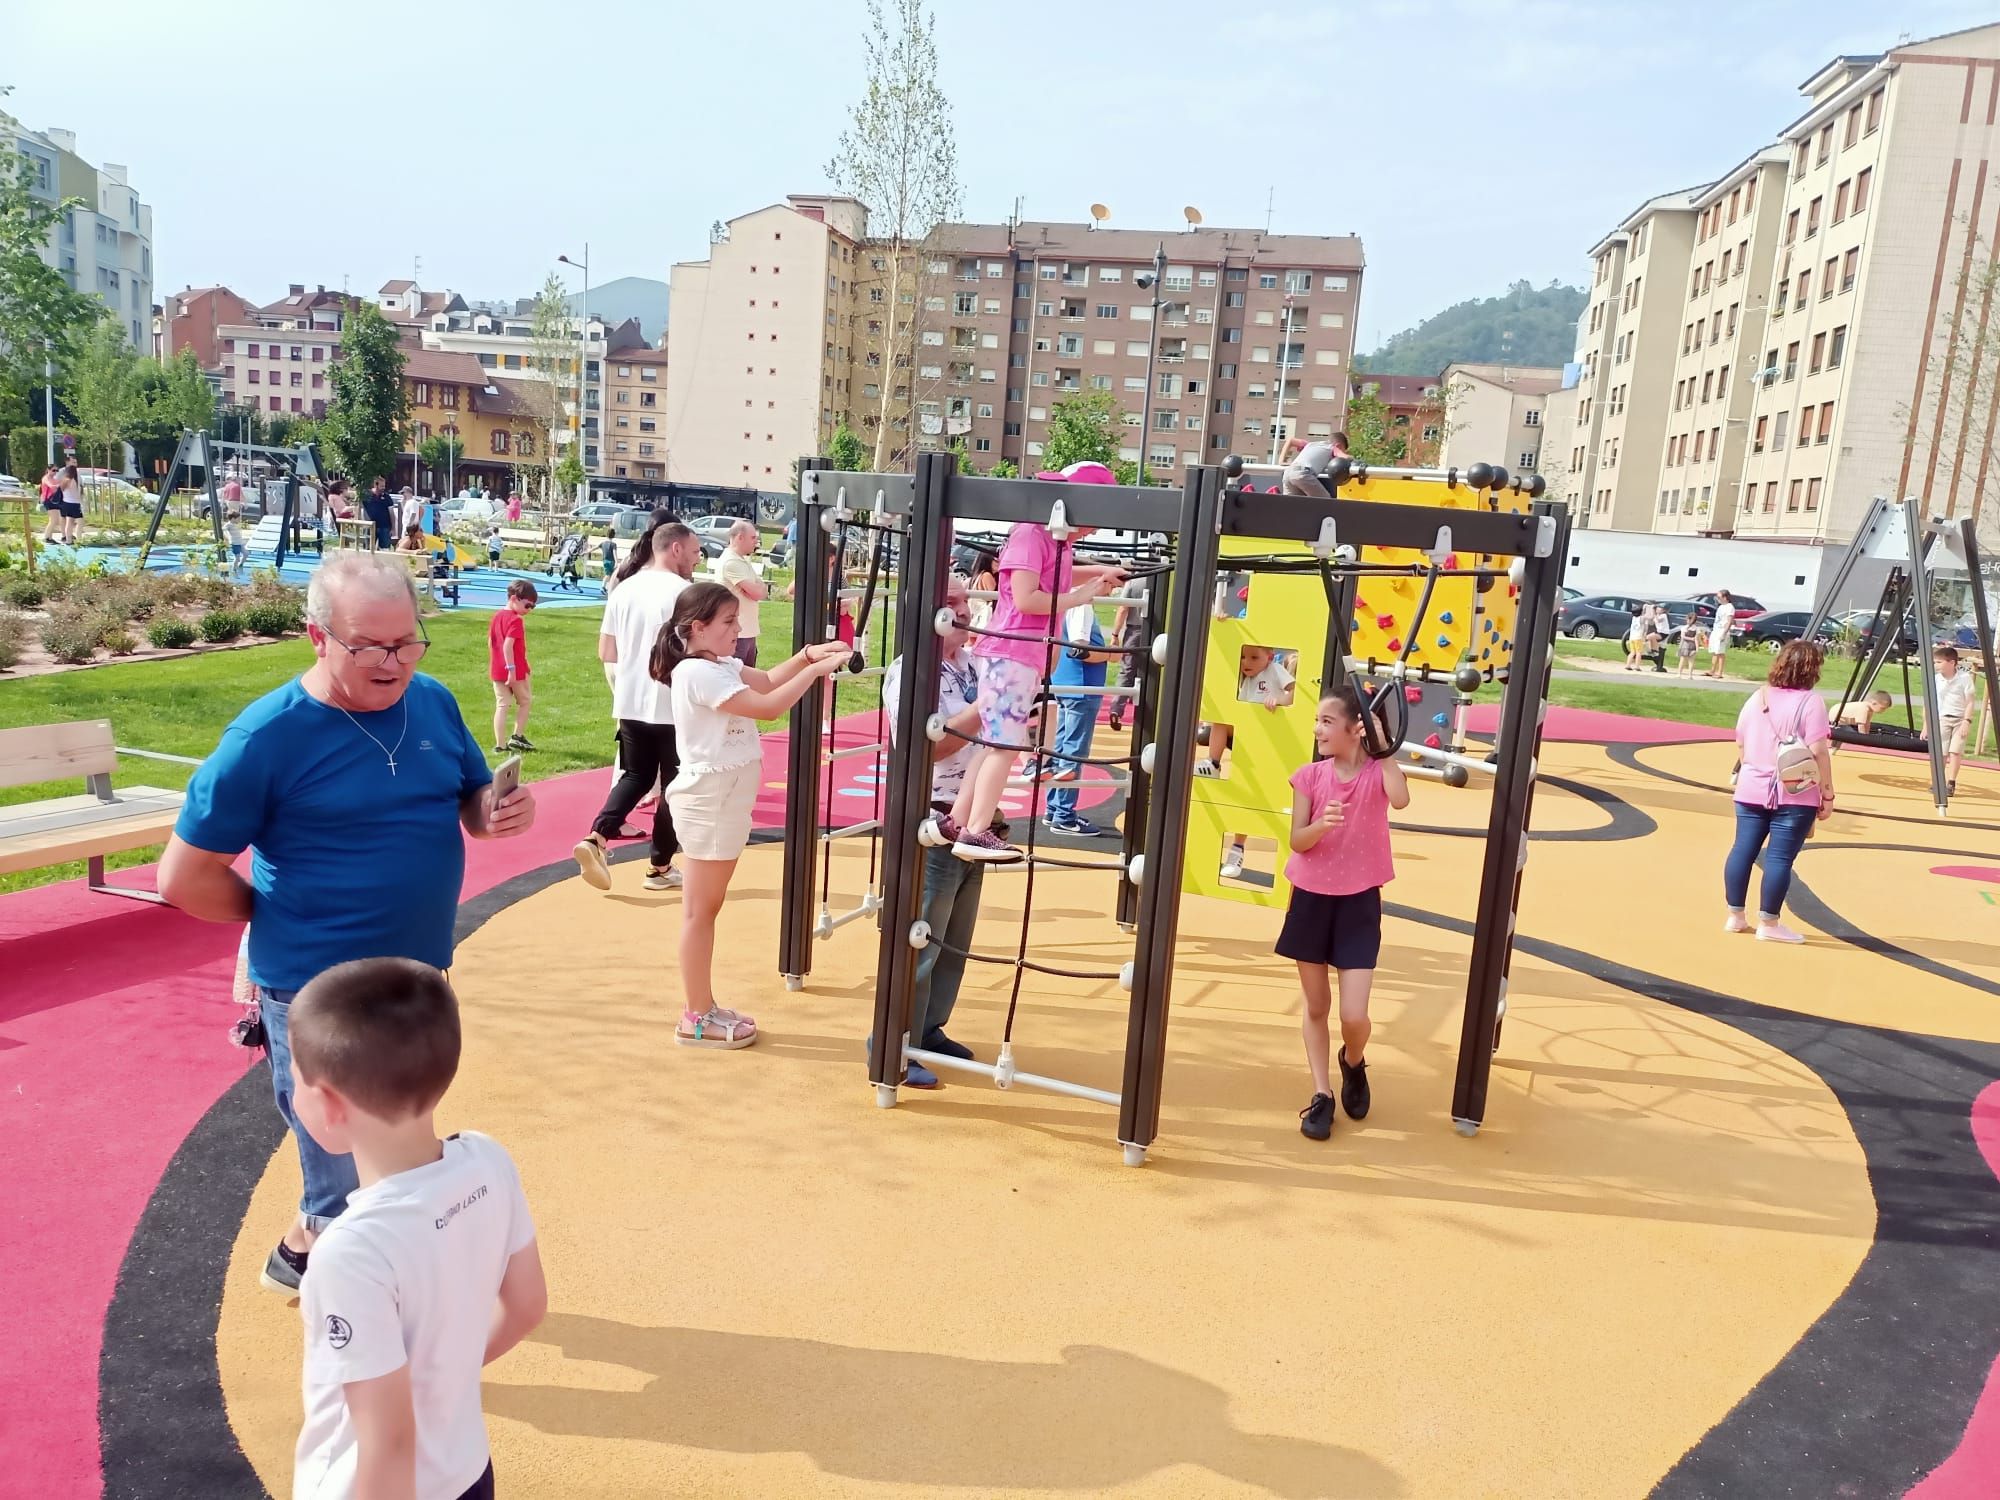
444,574
563,564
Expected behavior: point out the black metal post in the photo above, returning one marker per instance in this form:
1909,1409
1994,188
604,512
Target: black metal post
803,752
907,791
1982,620
1145,712
1522,710
1165,849
166,495
1920,621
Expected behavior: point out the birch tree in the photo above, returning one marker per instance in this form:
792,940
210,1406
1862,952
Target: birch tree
1949,441
553,348
900,157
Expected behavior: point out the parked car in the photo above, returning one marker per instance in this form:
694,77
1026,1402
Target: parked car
1747,609
104,488
1775,627
1594,615
601,513
1570,593
712,528
9,485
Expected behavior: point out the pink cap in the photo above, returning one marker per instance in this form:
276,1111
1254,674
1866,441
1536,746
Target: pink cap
1084,471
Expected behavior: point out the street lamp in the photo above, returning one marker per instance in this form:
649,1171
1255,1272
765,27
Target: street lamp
49,400
1284,366
583,359
1156,279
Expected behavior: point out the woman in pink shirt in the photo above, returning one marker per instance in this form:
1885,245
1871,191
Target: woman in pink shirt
1036,584
1340,862
1776,809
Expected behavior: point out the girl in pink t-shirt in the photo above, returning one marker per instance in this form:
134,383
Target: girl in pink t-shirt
1340,862
1037,582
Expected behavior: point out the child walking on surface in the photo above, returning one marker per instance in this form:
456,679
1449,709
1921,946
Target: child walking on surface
1035,584
507,665
431,1272
717,702
1333,927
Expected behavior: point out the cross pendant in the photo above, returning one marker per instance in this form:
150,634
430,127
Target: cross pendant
392,765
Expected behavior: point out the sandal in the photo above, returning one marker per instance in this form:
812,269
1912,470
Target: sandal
723,1030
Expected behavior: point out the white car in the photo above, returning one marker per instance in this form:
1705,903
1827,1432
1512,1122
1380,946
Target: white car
9,485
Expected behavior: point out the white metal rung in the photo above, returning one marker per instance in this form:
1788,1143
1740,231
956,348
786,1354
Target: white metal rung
1028,1080
850,830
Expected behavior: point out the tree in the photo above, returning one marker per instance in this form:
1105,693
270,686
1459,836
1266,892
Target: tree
184,400
847,450
1083,428
364,420
900,157
1004,469
1525,327
1370,438
105,393
1948,437
37,306
552,347
441,453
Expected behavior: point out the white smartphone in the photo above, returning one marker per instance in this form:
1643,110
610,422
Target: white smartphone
506,779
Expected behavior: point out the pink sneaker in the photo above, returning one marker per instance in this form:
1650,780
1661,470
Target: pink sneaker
1777,932
985,847
1736,922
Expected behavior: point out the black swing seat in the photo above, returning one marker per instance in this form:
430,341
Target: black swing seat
1886,737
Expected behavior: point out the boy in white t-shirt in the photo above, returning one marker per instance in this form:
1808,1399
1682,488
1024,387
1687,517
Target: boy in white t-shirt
431,1272
1263,677
1954,698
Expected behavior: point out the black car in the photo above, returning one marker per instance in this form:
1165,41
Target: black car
1594,615
1774,628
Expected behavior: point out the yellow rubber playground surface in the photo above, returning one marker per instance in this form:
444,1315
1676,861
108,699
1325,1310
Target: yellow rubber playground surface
1686,1192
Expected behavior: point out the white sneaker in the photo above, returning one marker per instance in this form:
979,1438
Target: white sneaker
590,859
1232,867
1207,768
668,879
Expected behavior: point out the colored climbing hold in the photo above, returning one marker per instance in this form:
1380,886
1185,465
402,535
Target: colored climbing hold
1445,617
1243,594
1433,741
1445,641
1513,591
1440,720
1485,653
1384,622
1451,561
1413,695
1361,604
1396,644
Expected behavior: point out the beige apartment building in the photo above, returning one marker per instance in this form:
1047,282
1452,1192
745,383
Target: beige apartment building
1722,336
1867,226
760,334
1495,415
1559,444
635,401
974,338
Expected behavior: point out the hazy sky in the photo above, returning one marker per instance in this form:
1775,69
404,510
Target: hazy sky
1469,142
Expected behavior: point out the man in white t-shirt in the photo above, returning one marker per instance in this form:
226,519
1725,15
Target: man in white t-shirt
1954,696
951,884
431,1273
647,753
735,572
1718,633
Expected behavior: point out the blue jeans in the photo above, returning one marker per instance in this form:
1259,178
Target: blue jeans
1076,724
1780,832
329,1179
951,907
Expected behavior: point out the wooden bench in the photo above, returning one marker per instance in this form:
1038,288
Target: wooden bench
101,821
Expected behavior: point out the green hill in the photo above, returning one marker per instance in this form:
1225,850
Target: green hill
1525,327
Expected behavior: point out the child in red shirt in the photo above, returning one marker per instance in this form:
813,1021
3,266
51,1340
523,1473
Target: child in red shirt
507,648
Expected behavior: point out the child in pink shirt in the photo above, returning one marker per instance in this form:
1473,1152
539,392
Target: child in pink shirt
1340,862
1037,582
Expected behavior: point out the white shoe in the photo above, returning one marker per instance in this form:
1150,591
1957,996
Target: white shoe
590,859
1207,768
1736,922
668,879
1232,867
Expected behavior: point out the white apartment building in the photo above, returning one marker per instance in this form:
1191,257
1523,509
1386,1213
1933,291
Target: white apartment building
774,295
1721,340
106,249
1559,442
1495,415
1868,226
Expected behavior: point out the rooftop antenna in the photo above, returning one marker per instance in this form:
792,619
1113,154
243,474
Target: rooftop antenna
1193,217
1270,206
1098,214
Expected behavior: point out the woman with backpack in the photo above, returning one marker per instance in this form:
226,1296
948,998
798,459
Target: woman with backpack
1784,785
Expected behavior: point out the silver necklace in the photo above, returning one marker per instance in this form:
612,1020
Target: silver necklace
386,750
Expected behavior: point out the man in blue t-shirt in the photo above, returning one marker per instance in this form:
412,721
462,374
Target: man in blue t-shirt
348,785
1076,717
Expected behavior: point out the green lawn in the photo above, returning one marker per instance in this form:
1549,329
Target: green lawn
1749,663
181,706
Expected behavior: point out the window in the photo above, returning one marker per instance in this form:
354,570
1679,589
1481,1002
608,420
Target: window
1837,347
319,352
1232,335
1232,299
1825,423
1805,282
1260,354
1812,217
1853,127
1048,273
1801,159
1778,425
277,404
1107,310
1791,360
254,377
1818,354
1792,494
1840,201
319,382
1850,267
1721,382
1733,307
1757,443
1770,495
1825,144
1863,181
1874,111
298,377
253,351
1225,372
297,352
1826,279
1110,273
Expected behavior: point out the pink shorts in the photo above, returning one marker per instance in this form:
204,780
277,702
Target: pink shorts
1007,692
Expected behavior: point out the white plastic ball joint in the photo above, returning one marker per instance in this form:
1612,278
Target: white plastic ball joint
929,835
1345,555
934,728
1148,754
885,1096
1159,652
945,621
1125,976
1136,871
827,522
794,982
1003,1070
1517,570
920,935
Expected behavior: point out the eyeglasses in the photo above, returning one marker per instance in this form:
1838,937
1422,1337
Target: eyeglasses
410,652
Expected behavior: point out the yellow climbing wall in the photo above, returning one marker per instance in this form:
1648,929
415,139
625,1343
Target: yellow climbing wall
1250,796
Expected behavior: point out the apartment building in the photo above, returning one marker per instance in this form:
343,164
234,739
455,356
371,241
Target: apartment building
761,334
635,398
105,245
1560,458
1496,415
193,319
1868,226
1736,228
1415,412
453,394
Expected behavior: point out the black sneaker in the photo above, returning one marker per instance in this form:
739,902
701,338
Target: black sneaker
938,1042
1353,1086
520,742
1316,1119
284,1268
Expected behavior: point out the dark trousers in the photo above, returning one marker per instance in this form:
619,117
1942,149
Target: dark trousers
482,1487
646,754
1780,832
951,906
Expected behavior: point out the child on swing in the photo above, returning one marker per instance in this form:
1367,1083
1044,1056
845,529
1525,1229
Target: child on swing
717,702
1340,862
1036,583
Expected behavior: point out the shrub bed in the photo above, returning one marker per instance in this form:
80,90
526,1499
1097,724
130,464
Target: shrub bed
221,625
170,634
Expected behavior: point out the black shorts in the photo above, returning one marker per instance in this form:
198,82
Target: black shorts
1342,932
482,1487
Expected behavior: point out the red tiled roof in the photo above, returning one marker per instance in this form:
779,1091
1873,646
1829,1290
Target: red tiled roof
442,364
396,288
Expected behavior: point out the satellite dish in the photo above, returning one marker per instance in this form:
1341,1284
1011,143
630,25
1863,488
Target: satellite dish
1098,213
1192,215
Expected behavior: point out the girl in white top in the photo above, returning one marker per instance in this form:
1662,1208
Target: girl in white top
717,702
